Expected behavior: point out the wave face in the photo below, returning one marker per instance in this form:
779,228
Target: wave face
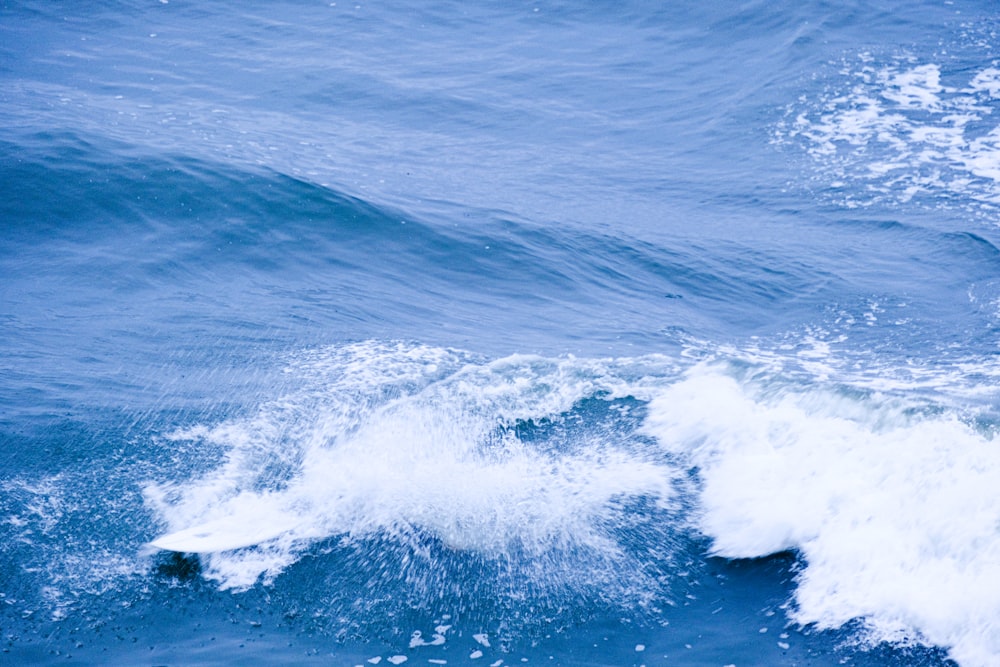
606,334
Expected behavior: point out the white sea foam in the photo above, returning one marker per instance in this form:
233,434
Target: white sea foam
387,440
896,132
894,510
888,496
819,354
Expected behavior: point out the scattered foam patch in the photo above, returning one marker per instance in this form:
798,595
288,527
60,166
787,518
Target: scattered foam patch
49,524
903,131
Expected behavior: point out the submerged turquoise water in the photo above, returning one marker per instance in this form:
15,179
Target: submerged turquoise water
568,334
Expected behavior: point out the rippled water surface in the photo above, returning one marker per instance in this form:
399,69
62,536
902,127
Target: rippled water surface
499,333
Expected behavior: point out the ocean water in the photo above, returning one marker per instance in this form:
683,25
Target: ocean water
635,333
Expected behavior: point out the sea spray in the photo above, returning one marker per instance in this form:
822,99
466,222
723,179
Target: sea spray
523,459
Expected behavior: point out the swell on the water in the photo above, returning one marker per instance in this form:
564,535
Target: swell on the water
247,254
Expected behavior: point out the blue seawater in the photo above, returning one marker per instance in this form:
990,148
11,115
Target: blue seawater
576,333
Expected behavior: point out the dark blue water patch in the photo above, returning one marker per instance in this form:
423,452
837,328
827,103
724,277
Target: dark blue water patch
51,443
728,612
598,417
896,286
90,443
86,189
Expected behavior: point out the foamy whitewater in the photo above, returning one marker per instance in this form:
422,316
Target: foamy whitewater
889,501
498,334
397,441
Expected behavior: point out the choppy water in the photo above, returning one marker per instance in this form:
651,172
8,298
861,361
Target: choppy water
563,333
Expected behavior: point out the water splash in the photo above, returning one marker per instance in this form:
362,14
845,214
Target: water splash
522,459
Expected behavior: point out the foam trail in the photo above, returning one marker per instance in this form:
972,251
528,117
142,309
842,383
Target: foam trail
893,507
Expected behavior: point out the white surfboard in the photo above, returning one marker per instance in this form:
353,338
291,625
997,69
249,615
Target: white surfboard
244,528
218,535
